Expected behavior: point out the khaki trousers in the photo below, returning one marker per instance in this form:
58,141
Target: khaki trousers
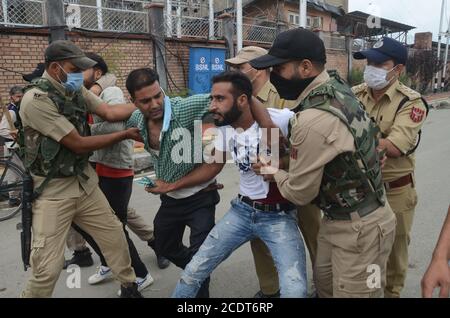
403,202
352,255
52,220
309,222
135,222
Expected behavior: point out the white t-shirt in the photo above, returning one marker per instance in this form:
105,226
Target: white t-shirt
244,148
5,129
186,192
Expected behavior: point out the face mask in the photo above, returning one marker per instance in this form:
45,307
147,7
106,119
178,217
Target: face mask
74,81
376,78
289,89
251,80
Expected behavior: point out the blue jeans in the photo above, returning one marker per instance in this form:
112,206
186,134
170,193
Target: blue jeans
279,231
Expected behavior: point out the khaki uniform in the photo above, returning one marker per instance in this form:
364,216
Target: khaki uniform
402,130
67,200
346,249
135,222
309,216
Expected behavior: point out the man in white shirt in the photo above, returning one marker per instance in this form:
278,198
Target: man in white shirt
259,211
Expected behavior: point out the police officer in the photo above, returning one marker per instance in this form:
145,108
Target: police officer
57,147
400,114
308,216
334,162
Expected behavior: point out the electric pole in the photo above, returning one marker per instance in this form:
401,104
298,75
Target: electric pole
302,12
239,24
436,79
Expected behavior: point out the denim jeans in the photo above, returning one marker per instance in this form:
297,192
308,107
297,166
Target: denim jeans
242,223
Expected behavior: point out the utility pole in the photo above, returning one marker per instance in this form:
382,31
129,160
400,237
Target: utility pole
302,12
436,79
239,39
444,71
211,20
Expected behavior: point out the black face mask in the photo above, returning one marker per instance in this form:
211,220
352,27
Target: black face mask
230,117
289,89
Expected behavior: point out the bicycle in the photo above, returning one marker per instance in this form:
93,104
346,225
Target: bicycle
10,191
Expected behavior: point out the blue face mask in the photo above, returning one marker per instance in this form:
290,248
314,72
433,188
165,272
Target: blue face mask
74,81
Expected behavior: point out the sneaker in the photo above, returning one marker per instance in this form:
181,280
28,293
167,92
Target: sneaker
130,292
142,283
81,258
260,294
102,274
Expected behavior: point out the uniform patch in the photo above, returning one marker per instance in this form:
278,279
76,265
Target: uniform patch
294,154
417,115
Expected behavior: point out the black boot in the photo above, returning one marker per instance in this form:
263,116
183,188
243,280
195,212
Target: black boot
81,258
130,292
163,262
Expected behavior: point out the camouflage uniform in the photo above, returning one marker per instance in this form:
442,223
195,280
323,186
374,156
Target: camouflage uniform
334,162
67,184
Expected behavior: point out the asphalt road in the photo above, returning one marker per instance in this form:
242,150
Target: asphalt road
236,277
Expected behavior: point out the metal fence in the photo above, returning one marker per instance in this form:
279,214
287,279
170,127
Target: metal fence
192,27
105,19
258,33
22,13
334,42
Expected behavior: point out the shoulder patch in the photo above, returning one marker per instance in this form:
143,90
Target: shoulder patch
417,114
408,92
359,89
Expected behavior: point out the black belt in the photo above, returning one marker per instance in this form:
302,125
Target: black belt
345,216
280,207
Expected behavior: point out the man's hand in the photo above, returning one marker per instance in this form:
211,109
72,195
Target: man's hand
96,89
134,134
437,275
161,187
383,156
266,169
14,135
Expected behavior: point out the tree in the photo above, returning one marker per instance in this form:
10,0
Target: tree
422,67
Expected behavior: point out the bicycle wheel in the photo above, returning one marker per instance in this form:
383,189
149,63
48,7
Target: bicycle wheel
11,182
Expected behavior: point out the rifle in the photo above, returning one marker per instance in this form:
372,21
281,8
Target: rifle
27,218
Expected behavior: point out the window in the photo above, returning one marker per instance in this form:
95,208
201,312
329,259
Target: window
294,18
314,22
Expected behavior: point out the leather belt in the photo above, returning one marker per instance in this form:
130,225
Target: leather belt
267,207
399,183
362,212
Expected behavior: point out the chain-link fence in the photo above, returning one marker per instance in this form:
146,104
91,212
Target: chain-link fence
258,33
334,42
192,27
22,13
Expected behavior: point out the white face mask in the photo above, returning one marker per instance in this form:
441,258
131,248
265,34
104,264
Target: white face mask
376,78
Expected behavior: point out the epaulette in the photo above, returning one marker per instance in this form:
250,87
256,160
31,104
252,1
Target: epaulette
359,88
408,92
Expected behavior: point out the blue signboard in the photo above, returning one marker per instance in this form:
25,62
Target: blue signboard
204,63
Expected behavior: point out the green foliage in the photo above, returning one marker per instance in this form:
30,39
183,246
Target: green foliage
182,93
356,77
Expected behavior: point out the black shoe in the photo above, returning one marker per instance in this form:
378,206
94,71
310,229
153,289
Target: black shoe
163,262
260,294
81,258
130,292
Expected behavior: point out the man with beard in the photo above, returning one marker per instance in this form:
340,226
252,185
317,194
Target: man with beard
259,211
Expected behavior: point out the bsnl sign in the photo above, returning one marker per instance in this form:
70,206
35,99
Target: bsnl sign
204,64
